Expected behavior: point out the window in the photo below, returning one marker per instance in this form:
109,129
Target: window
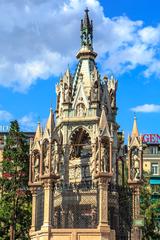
154,150
155,169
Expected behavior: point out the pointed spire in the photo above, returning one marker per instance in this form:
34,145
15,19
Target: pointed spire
68,74
86,31
50,123
103,124
86,21
38,134
86,50
135,128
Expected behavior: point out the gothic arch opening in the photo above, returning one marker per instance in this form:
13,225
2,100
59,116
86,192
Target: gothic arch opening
80,144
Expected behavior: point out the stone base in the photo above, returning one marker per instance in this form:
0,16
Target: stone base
74,234
136,234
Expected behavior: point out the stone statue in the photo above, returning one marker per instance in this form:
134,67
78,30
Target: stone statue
104,159
136,167
36,167
94,93
93,158
72,152
80,110
66,94
46,160
55,158
112,97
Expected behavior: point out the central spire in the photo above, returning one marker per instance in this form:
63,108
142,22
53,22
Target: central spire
86,31
86,50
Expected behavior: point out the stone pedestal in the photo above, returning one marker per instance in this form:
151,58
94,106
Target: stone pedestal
136,233
34,196
103,227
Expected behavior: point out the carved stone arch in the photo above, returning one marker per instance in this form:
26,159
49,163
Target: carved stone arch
75,130
80,141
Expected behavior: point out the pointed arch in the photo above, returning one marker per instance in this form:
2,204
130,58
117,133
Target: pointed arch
80,143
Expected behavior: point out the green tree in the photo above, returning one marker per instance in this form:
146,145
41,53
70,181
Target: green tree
150,210
15,199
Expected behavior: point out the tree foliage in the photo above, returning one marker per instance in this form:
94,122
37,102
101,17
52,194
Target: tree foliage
15,199
150,210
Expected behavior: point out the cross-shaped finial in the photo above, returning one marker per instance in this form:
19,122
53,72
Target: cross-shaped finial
86,10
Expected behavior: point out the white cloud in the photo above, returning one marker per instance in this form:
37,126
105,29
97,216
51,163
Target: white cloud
150,35
28,122
39,39
5,116
146,108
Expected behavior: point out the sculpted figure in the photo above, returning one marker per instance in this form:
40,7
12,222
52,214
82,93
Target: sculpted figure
46,159
55,158
104,159
136,168
80,110
66,94
93,158
112,97
94,93
36,167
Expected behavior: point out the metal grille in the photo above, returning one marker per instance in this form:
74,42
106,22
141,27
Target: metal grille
40,208
75,206
120,211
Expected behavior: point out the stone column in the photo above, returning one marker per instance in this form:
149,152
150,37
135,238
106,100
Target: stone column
137,202
103,202
136,230
110,156
129,165
47,203
34,214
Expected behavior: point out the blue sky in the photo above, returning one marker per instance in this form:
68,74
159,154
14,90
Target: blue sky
38,39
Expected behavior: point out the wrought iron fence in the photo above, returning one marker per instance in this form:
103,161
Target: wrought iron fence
75,206
120,211
40,208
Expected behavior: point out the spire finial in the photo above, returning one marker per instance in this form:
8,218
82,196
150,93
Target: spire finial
135,128
50,122
86,38
38,134
86,31
86,10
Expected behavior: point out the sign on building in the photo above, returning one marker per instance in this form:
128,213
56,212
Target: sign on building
151,138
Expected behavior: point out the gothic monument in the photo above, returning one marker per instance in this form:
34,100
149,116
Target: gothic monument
73,165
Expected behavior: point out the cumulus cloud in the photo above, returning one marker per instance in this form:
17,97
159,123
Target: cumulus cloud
28,122
39,39
146,108
5,116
